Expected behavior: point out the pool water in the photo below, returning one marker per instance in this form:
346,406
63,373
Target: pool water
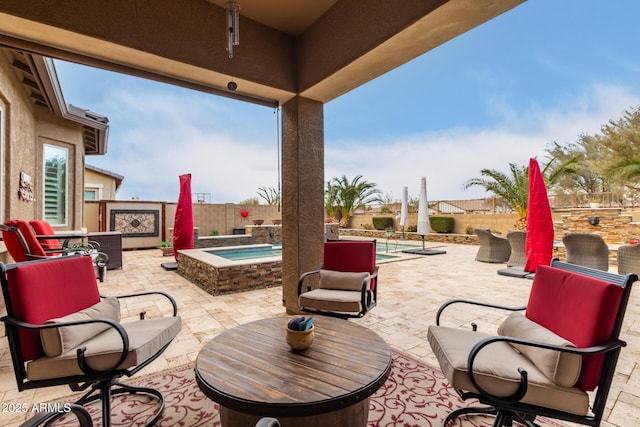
238,254
244,253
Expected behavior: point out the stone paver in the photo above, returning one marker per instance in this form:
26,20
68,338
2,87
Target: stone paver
409,294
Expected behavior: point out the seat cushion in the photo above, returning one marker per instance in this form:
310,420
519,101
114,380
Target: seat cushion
342,281
49,289
496,370
332,300
561,368
146,338
578,308
56,341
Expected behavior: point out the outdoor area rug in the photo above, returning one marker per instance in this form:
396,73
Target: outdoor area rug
415,395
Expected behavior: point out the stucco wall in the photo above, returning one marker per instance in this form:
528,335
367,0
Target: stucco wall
27,129
106,185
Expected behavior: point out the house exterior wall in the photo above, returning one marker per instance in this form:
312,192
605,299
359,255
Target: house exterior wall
105,183
26,129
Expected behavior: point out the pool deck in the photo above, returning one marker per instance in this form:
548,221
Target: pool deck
409,294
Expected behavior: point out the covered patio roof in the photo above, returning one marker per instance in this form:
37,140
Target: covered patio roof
294,54
318,50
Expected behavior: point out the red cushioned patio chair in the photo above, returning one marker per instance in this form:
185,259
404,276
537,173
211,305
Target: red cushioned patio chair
50,245
547,361
347,284
61,331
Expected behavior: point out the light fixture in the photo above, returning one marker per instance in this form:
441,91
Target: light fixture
232,10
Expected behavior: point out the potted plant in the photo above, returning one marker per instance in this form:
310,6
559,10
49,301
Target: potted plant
166,246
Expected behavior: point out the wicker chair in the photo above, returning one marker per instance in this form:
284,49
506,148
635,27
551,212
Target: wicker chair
587,249
517,240
629,259
492,248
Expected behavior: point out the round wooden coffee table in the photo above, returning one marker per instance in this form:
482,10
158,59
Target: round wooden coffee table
251,373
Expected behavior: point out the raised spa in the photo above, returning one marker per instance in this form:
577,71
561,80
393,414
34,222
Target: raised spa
242,268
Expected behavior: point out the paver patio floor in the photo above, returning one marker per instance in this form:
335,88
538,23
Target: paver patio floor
409,294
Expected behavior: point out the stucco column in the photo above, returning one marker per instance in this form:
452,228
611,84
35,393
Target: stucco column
302,193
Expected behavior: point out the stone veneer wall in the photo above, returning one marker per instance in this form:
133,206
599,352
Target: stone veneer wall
381,235
244,276
254,235
614,226
237,278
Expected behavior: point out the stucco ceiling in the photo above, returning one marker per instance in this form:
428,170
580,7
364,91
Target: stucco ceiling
317,49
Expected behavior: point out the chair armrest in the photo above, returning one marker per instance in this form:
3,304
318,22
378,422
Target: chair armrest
522,388
303,277
81,350
164,294
478,303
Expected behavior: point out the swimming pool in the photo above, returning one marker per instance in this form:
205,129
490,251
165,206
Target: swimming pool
238,253
241,268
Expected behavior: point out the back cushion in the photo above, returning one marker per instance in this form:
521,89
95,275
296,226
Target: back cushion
27,232
43,228
342,280
350,256
13,244
44,290
578,308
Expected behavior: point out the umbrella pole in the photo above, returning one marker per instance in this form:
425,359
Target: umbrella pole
422,235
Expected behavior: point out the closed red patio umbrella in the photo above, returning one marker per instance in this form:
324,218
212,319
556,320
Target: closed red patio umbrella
539,241
183,220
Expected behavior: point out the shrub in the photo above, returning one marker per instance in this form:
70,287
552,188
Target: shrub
441,224
382,222
367,226
412,228
469,229
214,233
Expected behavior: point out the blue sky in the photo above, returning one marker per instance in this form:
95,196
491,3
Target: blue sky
501,93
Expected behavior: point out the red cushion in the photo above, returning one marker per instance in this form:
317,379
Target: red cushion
580,309
48,289
351,256
32,243
13,244
43,228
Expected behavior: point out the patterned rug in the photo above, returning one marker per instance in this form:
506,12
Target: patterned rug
415,395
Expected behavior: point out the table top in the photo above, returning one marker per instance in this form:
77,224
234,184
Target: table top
251,369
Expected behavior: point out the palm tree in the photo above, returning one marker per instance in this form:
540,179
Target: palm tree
344,196
628,169
513,189
331,201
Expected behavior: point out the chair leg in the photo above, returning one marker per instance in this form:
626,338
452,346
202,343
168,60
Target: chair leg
502,418
45,418
469,410
105,390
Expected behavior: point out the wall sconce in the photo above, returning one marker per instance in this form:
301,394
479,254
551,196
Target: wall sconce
232,10
594,220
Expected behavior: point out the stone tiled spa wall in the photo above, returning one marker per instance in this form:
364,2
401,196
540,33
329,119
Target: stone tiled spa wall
237,278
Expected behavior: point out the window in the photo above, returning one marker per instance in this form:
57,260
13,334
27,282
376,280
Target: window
55,184
90,194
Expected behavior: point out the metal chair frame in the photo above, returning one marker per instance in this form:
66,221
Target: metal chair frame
509,409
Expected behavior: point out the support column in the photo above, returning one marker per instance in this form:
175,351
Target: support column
302,193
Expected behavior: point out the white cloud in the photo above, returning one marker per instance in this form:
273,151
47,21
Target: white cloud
231,150
155,138
449,158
